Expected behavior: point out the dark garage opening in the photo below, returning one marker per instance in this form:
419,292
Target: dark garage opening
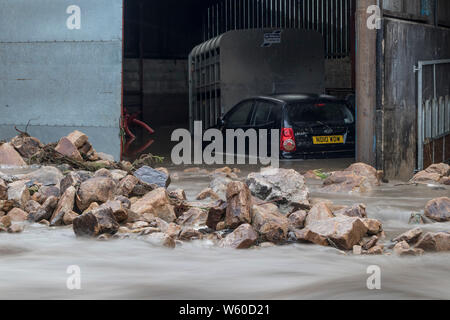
160,34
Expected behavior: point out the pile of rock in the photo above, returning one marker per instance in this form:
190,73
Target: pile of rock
416,242
436,173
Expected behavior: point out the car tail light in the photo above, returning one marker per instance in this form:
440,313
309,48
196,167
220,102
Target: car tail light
287,142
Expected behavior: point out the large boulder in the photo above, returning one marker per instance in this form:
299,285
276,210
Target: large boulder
94,223
46,210
436,173
156,203
270,223
342,232
45,176
357,210
359,177
26,146
77,138
153,177
285,187
403,248
219,185
410,237
99,189
239,207
241,238
434,242
438,209
10,157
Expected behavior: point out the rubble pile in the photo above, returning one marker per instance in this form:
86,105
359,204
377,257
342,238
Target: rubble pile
268,208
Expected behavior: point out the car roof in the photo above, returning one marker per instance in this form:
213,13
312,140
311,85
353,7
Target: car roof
294,98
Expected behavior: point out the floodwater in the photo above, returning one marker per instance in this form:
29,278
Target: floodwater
33,265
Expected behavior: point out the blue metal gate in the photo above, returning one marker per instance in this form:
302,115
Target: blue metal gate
61,69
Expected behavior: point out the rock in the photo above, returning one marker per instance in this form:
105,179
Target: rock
438,209
426,177
189,233
3,190
18,191
10,157
441,168
126,165
161,239
173,230
242,238
403,249
286,187
270,223
119,210
357,210
342,232
239,204
156,203
45,176
126,186
357,250
216,214
88,152
5,221
65,205
445,181
343,181
17,215
46,211
194,217
72,179
26,146
98,190
298,219
418,218
364,170
94,223
31,207
103,173
410,236
437,173
177,195
320,211
7,205
68,149
376,250
16,228
220,226
118,175
435,242
219,185
207,193
153,177
45,192
374,227
369,244
126,203
69,217
77,138
92,206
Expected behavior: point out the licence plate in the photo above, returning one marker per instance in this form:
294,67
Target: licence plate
329,140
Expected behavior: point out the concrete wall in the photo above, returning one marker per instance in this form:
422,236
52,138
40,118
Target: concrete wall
166,91
405,43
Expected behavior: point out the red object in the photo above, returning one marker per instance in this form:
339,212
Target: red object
130,119
320,105
287,142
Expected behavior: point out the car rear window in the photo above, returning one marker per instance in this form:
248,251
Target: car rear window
319,113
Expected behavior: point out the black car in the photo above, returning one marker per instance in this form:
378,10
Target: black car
311,126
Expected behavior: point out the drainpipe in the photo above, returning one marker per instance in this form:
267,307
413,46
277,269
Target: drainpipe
366,60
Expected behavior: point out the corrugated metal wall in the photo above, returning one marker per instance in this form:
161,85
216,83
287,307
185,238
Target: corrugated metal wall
332,18
59,77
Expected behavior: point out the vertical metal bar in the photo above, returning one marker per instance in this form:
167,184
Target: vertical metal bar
420,119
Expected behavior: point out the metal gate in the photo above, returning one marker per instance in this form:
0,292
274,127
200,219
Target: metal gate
433,115
61,69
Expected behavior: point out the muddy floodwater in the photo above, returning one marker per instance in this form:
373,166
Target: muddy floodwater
33,264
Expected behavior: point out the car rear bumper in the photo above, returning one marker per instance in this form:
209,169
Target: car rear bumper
320,153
